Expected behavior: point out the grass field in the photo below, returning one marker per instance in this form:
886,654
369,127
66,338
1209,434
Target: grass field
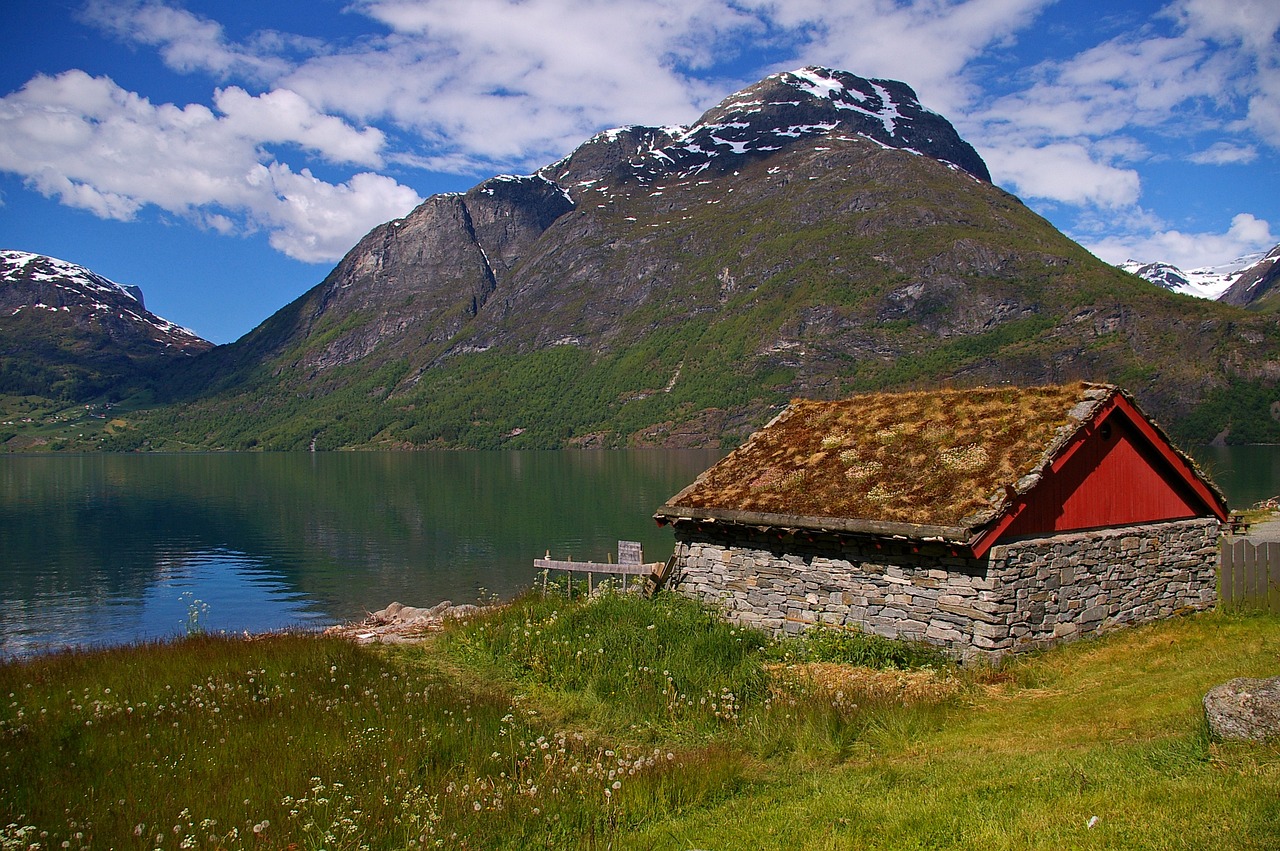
626,723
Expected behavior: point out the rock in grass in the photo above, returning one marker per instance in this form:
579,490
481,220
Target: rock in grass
1244,709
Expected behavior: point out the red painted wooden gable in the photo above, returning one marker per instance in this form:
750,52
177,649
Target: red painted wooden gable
1119,471
1112,480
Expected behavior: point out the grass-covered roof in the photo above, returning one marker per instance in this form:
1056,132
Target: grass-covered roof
941,458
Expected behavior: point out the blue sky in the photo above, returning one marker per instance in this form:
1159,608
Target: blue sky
224,155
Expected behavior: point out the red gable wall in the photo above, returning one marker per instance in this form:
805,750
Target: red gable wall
1120,472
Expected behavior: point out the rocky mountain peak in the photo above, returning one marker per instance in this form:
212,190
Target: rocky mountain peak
450,256
765,118
1161,274
1241,281
815,101
606,152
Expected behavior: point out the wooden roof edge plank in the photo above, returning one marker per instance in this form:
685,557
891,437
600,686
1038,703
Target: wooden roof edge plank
672,512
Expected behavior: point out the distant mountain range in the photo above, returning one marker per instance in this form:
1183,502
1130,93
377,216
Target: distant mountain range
68,333
813,235
1256,273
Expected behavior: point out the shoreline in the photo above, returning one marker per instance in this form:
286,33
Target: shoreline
401,624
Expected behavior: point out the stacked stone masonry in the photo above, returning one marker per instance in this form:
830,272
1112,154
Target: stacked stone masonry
1021,595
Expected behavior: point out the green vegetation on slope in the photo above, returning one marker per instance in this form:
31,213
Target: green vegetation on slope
628,723
686,311
1243,412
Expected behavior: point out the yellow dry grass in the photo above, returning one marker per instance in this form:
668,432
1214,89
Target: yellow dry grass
847,684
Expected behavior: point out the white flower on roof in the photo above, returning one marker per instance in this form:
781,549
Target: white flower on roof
969,458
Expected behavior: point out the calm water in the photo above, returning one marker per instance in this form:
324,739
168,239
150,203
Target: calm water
115,548
1247,474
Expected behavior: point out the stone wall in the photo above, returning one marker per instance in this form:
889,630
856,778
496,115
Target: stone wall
1020,595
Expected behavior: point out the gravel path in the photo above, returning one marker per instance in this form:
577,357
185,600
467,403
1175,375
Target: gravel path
1267,530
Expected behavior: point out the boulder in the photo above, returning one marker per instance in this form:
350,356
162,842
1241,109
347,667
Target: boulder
1244,709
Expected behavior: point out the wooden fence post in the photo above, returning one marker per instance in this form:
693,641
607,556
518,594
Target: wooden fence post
1271,579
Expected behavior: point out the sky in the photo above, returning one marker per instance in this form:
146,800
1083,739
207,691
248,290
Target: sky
224,154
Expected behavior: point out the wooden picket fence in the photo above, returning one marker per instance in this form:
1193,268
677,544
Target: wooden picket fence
1249,575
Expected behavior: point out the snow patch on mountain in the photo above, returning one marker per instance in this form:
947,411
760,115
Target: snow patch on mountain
793,105
1208,282
80,289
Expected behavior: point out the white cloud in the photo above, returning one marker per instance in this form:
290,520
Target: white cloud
1253,23
1116,85
1064,172
93,145
479,86
313,220
1217,71
516,84
283,116
1080,129
1188,250
926,43
1225,153
187,42
1253,28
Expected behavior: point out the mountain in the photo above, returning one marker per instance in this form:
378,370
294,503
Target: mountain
813,235
1255,287
1161,274
1210,282
72,335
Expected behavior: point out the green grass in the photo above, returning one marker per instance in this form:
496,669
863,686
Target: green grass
1110,729
853,647
668,667
626,723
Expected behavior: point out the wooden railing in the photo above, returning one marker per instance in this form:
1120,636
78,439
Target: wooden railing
630,563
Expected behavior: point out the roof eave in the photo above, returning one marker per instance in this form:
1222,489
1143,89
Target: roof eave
956,535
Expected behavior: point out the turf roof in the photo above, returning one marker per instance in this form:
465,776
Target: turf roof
932,458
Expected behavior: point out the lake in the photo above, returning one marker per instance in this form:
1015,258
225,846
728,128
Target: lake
108,549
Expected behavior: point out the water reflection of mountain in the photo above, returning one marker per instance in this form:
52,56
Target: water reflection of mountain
349,531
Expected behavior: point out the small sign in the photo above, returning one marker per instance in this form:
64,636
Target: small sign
629,552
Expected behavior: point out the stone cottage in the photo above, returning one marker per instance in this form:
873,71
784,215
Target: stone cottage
983,520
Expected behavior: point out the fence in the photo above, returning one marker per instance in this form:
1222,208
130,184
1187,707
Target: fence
1249,575
630,563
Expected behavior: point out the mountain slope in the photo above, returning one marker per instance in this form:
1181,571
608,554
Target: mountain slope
1256,287
67,333
813,235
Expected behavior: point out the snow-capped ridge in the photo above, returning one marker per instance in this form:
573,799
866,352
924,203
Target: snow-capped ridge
13,263
1209,282
39,281
778,111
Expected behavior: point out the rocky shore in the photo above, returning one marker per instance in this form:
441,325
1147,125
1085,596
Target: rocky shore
401,624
